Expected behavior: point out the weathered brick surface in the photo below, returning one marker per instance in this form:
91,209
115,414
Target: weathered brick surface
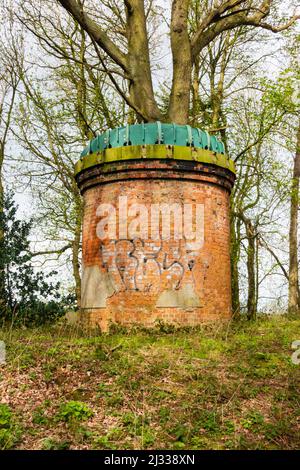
142,280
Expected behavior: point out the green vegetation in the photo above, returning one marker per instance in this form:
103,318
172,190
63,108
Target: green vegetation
28,297
9,431
74,411
213,387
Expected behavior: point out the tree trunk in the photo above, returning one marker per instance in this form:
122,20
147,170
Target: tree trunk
195,93
251,235
2,271
76,269
218,91
251,262
219,17
182,63
257,254
75,255
138,58
293,236
235,256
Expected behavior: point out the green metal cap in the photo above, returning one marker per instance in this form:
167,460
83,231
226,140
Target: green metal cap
154,141
154,133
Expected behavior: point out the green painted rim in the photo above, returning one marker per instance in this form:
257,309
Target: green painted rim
154,133
154,152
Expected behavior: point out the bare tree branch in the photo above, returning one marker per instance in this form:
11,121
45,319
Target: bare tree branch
95,32
214,24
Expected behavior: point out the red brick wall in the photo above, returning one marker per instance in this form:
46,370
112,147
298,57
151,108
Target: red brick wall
141,281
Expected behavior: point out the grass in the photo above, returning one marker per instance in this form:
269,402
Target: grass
218,386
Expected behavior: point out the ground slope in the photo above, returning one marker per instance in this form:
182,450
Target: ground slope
215,387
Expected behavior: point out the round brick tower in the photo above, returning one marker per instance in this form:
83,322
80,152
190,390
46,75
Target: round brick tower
156,232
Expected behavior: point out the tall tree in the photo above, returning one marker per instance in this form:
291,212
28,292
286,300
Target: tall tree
9,81
294,293
133,57
285,94
53,124
258,189
222,81
294,297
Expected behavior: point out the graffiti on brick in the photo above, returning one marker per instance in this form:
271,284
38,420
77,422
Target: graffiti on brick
148,265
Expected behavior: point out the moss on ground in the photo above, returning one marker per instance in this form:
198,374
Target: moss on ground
217,386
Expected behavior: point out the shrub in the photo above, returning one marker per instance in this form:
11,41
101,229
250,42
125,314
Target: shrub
27,296
74,411
9,433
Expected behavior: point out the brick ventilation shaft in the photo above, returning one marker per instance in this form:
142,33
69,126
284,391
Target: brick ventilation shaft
141,279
